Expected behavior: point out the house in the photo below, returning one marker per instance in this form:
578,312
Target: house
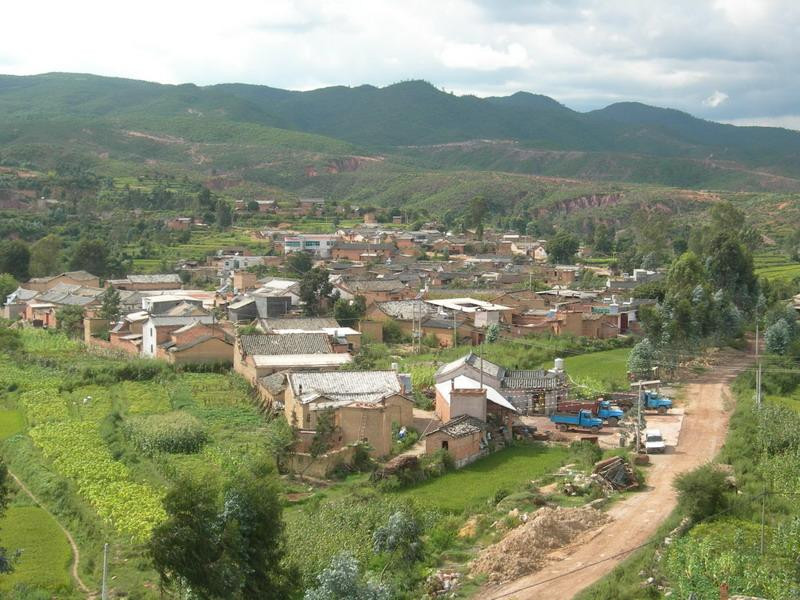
479,312
363,406
308,206
258,355
157,329
197,343
41,309
464,438
374,290
76,278
244,281
343,339
320,245
464,395
362,251
419,315
164,281
529,391
628,282
179,223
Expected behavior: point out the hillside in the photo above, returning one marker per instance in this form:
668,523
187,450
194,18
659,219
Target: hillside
243,135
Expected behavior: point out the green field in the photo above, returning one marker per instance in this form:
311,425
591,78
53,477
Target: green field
609,369
776,267
46,555
510,470
11,423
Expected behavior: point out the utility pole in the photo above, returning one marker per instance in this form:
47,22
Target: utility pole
104,591
758,362
763,513
639,401
455,330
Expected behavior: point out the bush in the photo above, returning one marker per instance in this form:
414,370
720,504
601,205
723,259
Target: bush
176,433
585,453
393,333
701,492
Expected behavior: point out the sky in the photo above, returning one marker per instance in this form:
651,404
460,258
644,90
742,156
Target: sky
726,60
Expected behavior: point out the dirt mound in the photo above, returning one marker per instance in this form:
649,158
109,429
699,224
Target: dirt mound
525,549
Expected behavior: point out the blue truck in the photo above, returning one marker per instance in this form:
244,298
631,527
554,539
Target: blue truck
655,401
602,409
583,419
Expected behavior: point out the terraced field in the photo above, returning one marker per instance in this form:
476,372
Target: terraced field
776,267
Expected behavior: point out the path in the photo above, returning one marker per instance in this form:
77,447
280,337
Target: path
76,554
637,519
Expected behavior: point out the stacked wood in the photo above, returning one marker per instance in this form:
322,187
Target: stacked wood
615,473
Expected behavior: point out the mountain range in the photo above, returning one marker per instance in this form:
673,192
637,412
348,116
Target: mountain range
409,125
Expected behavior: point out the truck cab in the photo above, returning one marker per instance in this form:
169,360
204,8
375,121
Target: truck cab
610,414
655,401
582,420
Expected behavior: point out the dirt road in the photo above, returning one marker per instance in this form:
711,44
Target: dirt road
705,423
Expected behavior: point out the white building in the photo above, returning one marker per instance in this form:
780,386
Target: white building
319,245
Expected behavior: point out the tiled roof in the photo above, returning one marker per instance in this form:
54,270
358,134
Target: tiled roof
196,342
169,320
185,309
405,310
374,285
361,246
274,383
345,387
306,324
461,426
290,343
155,278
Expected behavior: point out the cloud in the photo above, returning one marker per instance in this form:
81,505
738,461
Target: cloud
715,99
483,58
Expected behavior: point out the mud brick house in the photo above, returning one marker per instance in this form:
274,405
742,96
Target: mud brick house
263,354
432,321
362,406
464,438
197,343
362,251
77,278
529,391
158,328
162,281
374,290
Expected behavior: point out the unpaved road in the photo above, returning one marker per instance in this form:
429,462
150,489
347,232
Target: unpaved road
705,423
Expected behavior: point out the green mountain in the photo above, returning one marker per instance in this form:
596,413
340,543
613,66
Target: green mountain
280,136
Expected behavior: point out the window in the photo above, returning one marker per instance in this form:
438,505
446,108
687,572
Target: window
445,445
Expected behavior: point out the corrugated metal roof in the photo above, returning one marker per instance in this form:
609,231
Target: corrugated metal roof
290,343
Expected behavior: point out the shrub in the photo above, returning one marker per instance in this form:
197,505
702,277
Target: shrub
585,453
176,433
701,492
392,333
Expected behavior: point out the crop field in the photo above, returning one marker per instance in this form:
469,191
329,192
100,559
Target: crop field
45,553
608,368
508,470
776,267
115,471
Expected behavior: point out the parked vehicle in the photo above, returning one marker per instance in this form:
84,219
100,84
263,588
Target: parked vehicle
602,409
654,442
655,401
582,420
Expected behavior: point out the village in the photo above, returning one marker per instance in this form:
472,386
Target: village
393,286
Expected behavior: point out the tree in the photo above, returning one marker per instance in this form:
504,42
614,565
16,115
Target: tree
778,337
323,435
6,561
15,259
730,267
252,206
562,248
400,537
231,548
224,215
90,255
701,492
341,580
109,310
477,213
492,333
7,286
279,438
685,274
299,262
603,239
70,320
46,256
642,358
315,287
348,312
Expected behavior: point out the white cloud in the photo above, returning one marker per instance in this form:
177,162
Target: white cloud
483,58
715,99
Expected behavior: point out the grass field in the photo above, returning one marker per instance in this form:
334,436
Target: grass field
510,470
776,267
11,423
46,555
608,368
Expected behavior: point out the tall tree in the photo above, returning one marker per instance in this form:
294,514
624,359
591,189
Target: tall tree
109,310
348,312
90,255
70,319
46,256
224,543
315,288
477,214
224,214
15,258
6,560
7,285
562,248
299,262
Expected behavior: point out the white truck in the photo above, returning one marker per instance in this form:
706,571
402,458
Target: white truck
654,442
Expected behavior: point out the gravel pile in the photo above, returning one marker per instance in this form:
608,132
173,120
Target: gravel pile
525,549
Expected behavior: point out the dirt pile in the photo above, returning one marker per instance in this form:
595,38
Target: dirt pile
525,548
